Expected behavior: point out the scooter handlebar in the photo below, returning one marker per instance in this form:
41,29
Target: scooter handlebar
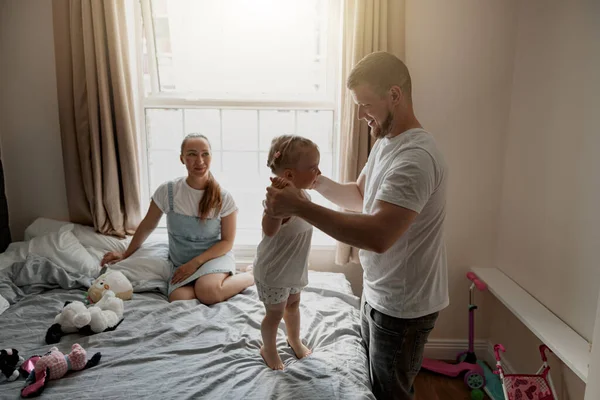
479,284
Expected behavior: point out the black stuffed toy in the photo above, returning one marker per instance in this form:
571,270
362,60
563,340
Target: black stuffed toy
10,360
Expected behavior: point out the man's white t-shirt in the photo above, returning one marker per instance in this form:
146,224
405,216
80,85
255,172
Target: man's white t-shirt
186,199
410,280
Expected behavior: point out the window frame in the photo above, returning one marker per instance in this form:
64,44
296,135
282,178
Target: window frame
158,99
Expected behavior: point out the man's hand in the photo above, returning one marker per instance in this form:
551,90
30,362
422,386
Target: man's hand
184,271
282,202
279,183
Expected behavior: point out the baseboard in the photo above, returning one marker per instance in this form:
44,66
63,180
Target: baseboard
447,349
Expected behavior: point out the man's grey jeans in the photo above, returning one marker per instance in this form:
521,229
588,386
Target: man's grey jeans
395,348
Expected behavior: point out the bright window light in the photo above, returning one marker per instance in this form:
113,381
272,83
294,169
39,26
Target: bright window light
240,72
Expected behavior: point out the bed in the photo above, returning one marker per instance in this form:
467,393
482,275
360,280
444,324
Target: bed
182,350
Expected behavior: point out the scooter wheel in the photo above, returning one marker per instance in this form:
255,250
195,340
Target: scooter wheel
477,394
473,380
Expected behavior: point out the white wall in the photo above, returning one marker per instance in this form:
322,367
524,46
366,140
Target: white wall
548,227
460,54
29,129
548,231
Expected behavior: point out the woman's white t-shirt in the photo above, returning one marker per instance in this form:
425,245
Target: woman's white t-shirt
186,199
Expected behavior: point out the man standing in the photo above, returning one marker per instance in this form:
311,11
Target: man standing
399,202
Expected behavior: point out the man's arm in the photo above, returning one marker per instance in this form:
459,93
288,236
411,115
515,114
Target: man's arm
375,232
346,195
404,191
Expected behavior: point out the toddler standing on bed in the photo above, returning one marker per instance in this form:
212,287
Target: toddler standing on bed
281,264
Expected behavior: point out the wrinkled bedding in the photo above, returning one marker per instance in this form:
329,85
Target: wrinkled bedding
187,350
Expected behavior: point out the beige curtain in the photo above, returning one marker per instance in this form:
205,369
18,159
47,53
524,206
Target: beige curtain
369,25
97,114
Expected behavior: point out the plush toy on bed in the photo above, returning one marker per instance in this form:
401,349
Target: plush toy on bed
110,280
54,365
10,360
105,315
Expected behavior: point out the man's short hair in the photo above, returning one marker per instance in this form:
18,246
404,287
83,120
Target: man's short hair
381,70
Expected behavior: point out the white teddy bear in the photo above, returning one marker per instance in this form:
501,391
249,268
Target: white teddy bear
74,316
106,314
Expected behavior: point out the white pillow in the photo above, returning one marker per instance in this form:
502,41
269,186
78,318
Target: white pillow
43,226
149,262
85,234
61,247
89,238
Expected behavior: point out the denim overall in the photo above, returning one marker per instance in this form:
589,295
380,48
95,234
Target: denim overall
188,238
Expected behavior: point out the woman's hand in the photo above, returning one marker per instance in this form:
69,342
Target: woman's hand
111,258
185,271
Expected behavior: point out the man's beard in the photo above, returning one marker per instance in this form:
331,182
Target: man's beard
385,129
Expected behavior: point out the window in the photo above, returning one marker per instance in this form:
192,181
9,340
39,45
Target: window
240,72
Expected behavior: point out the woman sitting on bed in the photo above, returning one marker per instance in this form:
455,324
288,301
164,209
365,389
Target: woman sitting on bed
201,222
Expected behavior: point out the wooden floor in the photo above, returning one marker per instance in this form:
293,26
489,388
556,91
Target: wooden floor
429,386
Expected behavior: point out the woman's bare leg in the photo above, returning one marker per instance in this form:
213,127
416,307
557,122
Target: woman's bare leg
183,293
215,288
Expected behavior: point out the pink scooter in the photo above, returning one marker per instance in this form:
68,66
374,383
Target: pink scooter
474,376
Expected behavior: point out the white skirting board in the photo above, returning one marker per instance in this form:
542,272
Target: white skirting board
445,349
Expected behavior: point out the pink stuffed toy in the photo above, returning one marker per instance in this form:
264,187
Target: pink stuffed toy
54,365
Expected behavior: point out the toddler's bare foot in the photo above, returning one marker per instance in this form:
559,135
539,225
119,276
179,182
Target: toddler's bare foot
299,348
271,358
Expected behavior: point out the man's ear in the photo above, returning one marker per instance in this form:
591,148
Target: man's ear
396,94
